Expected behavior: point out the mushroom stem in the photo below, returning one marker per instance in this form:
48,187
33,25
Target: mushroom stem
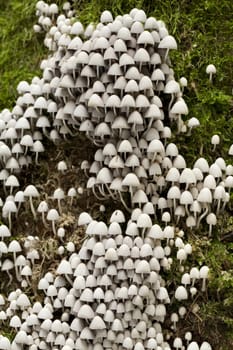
18,277
171,101
102,191
9,220
28,280
59,206
143,232
18,207
54,228
10,278
123,202
111,194
178,219
186,209
174,205
210,230
149,126
131,193
179,123
26,150
32,208
203,287
69,280
68,129
218,206
43,218
95,194
71,201
166,54
36,158
203,215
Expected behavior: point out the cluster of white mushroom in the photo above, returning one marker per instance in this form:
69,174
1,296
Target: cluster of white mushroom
111,81
111,294
112,87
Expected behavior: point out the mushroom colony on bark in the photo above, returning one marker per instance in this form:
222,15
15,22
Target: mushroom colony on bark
113,82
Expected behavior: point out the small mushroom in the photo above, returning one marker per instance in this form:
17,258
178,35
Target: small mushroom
211,70
215,140
211,221
59,195
31,191
204,271
53,216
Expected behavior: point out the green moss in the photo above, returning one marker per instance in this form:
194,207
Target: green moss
216,306
20,50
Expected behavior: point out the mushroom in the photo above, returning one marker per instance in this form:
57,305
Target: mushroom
210,70
59,195
37,148
31,191
211,221
43,208
204,197
8,208
14,247
183,83
215,140
12,182
4,232
65,269
204,271
193,123
181,293
177,110
168,43
7,265
53,216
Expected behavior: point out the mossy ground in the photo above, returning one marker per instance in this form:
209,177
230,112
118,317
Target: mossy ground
204,32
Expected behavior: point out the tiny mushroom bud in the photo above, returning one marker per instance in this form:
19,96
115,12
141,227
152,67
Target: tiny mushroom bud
61,166
72,193
61,232
193,123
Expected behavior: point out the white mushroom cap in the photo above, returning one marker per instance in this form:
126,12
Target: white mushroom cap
179,107
172,87
181,293
205,346
193,122
168,42
106,17
52,215
211,69
31,191
193,346
5,343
